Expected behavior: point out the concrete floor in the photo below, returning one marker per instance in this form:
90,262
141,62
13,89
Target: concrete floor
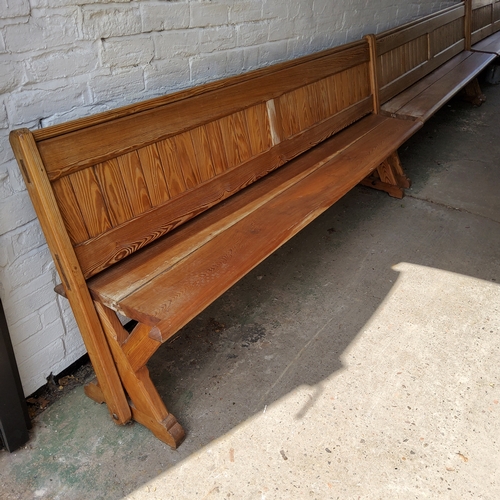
360,361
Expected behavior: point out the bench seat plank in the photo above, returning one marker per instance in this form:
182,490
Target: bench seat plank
175,279
490,45
422,100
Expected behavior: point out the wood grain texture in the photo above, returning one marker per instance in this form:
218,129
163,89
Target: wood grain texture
410,52
404,34
132,129
108,248
435,92
59,243
119,280
485,20
203,268
489,45
351,50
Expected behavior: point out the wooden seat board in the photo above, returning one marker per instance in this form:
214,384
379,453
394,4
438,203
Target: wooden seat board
121,279
218,263
424,83
490,44
431,93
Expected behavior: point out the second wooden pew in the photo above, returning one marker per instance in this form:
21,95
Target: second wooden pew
419,66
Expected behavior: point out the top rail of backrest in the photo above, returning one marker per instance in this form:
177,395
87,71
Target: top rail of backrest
409,52
123,178
485,19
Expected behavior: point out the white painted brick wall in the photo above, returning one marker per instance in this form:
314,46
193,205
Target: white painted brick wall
63,59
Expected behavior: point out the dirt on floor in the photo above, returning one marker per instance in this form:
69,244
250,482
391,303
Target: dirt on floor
76,375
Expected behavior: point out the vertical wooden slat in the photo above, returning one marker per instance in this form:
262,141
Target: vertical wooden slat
134,181
70,211
187,159
153,174
303,107
171,167
259,133
372,44
235,138
91,201
109,174
201,144
287,118
220,162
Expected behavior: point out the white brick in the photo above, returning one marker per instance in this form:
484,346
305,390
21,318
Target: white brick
6,153
35,343
6,254
64,3
177,43
164,16
59,95
216,65
245,11
165,76
105,21
280,29
252,34
73,351
272,52
14,8
2,44
11,75
38,365
25,303
15,211
27,238
250,58
28,326
127,51
73,344
217,39
209,14
3,115
275,9
44,29
115,87
6,189
15,179
61,63
29,272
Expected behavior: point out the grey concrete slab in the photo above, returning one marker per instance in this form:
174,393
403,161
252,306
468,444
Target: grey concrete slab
456,158
358,361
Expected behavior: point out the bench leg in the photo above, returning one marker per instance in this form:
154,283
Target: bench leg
389,177
473,93
131,353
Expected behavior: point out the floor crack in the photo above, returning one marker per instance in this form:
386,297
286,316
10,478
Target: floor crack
450,207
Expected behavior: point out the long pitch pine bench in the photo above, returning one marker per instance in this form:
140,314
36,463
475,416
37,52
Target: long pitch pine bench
154,210
419,66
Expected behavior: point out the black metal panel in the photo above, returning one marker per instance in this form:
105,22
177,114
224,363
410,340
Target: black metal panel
14,418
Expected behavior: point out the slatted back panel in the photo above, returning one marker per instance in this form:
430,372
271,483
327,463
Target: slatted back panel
125,178
485,19
408,53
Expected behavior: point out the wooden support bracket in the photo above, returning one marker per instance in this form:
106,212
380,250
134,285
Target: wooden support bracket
473,93
131,353
389,177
